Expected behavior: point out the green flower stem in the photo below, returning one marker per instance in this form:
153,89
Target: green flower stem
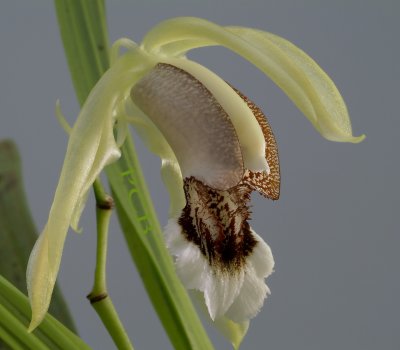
99,297
106,311
50,327
100,194
14,326
103,217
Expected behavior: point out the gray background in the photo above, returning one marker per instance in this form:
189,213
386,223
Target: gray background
334,232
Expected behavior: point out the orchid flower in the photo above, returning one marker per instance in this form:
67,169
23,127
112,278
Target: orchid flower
215,145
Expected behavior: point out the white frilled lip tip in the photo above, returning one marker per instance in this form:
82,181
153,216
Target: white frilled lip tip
236,296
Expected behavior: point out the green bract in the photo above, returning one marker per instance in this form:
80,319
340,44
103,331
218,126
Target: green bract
102,123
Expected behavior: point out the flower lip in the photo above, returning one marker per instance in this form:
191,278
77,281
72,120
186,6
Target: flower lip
195,125
248,130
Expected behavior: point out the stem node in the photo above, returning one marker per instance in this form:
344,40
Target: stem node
94,298
106,203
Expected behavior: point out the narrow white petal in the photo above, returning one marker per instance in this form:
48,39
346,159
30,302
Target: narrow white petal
305,83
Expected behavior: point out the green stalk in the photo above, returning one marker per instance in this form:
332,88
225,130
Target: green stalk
99,297
83,31
103,218
108,315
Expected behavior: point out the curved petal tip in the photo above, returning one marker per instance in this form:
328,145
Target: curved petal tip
357,139
345,138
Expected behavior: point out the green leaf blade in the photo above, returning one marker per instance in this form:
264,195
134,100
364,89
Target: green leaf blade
17,230
51,333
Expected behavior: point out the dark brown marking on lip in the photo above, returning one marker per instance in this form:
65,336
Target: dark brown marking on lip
216,221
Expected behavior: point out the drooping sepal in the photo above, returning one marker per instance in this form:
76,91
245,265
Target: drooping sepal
91,147
297,74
